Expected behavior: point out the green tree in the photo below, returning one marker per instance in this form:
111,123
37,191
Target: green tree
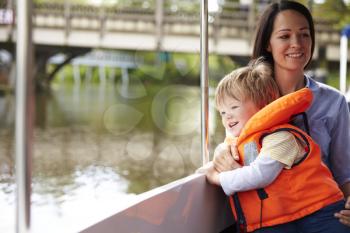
229,6
337,12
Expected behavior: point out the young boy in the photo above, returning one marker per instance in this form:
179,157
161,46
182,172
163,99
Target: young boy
281,185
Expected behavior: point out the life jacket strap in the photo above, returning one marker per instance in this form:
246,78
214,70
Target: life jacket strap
241,221
262,196
305,121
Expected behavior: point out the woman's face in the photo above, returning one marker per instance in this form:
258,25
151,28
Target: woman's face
290,41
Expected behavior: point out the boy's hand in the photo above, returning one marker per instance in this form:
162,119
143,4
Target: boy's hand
232,141
223,159
204,169
212,175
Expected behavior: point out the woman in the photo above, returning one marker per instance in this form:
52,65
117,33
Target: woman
285,37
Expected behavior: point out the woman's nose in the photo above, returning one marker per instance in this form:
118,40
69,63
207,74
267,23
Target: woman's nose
296,41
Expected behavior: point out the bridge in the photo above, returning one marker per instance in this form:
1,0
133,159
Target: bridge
75,29
152,28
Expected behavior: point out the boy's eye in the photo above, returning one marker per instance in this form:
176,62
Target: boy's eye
222,113
234,107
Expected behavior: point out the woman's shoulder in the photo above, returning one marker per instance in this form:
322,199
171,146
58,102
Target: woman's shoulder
328,102
324,92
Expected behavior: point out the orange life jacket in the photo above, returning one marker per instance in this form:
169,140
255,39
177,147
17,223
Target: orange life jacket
305,188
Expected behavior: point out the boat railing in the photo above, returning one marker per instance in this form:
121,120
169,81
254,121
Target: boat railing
186,205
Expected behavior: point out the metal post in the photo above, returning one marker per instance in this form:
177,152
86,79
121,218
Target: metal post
67,16
343,57
10,8
102,21
159,16
24,114
204,82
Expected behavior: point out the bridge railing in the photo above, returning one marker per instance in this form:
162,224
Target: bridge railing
235,18
178,17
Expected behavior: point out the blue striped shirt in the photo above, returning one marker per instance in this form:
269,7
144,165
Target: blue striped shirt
329,122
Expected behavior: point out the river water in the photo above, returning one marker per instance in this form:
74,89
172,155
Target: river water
96,146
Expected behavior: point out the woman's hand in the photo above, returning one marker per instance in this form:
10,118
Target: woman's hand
344,215
226,157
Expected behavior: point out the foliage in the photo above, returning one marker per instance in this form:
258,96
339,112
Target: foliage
229,6
161,68
333,79
219,66
335,11
167,67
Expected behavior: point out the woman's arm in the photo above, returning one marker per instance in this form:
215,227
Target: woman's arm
340,148
339,156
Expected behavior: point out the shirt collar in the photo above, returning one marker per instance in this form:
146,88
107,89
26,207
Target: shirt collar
307,81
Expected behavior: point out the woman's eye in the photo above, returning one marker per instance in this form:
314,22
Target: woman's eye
306,35
284,37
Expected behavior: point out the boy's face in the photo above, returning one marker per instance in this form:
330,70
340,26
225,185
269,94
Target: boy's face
235,114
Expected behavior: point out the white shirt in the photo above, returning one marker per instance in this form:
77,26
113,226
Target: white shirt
279,150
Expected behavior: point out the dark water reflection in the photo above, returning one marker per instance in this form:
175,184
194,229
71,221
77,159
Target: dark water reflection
97,146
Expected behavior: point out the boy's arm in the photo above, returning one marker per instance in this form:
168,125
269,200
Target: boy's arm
212,175
260,173
278,150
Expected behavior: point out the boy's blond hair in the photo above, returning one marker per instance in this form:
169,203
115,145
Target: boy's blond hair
254,82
